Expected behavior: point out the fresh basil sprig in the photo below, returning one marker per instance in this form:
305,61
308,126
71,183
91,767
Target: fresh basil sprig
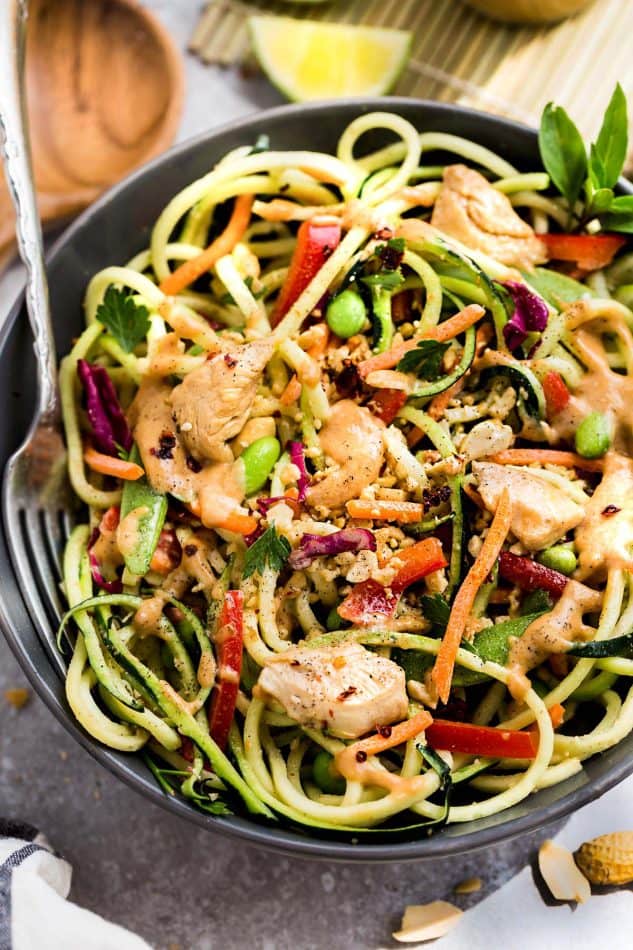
593,176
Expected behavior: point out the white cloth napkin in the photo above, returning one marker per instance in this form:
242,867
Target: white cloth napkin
34,912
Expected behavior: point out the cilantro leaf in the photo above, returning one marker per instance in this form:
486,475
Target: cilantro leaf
127,321
270,550
425,359
384,280
435,609
562,151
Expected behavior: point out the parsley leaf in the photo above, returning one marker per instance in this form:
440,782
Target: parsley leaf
435,609
562,151
269,550
425,359
127,321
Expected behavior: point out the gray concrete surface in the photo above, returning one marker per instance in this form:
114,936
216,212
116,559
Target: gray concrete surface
178,886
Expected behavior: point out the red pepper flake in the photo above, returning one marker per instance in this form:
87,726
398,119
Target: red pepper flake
230,360
610,510
346,693
326,251
193,464
190,549
384,731
361,756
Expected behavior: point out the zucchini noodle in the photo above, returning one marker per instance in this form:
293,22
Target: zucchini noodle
300,422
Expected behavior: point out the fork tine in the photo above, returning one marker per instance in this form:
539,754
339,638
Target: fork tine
26,541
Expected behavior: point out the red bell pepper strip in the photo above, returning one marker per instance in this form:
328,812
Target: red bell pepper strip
229,641
370,602
556,393
530,575
315,243
480,740
387,403
588,251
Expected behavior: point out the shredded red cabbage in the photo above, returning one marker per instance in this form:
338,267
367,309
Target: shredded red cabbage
530,314
297,457
263,504
315,545
109,426
111,587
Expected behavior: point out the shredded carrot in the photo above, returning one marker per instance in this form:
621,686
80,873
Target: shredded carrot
392,735
109,465
406,512
238,522
556,714
546,457
292,391
439,403
474,495
442,673
442,332
223,244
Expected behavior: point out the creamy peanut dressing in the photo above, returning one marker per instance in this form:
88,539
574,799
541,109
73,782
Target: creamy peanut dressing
478,215
129,529
352,438
599,390
220,491
206,670
605,537
554,632
106,551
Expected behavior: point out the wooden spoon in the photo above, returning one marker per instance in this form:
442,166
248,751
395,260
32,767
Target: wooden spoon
105,88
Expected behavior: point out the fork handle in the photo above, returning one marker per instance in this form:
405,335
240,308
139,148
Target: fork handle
15,149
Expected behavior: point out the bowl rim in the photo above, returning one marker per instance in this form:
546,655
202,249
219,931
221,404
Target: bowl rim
270,837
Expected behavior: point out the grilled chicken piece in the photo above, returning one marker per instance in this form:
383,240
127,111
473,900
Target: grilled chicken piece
470,209
164,459
212,403
351,437
605,538
345,689
542,513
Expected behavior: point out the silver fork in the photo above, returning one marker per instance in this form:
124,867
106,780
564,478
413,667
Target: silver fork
35,497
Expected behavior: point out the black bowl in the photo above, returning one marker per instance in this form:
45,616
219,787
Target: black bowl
110,232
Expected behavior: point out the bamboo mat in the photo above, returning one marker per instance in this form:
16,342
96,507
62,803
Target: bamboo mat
460,56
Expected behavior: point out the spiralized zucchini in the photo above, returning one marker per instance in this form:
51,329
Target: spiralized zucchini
443,389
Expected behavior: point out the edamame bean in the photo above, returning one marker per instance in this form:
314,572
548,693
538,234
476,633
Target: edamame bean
593,436
325,777
346,314
258,460
560,558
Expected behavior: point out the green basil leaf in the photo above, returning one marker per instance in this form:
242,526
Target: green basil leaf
562,151
618,222
601,200
623,204
557,288
597,171
612,142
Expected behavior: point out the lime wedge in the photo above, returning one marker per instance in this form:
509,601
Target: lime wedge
311,60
